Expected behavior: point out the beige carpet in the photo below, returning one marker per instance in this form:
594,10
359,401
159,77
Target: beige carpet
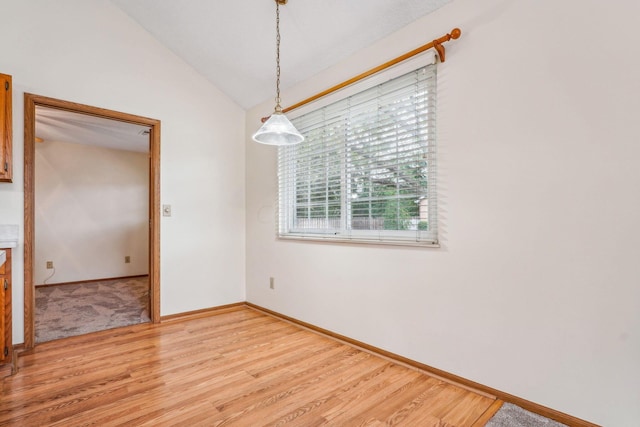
76,309
514,416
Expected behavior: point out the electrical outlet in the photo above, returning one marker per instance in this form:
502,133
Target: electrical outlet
272,283
127,259
49,265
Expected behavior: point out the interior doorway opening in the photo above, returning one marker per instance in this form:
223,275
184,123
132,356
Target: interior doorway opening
102,133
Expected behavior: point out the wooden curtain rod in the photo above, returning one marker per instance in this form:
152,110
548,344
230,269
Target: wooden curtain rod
436,44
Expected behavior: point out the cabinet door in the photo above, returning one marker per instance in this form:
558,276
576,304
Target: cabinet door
5,310
6,135
3,327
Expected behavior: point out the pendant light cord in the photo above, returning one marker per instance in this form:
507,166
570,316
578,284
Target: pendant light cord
278,108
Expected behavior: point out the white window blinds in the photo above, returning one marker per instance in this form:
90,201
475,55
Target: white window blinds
366,170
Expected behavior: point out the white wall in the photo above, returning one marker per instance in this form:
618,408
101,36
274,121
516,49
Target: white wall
90,52
92,210
536,288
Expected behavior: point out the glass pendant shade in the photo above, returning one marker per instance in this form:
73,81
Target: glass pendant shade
278,130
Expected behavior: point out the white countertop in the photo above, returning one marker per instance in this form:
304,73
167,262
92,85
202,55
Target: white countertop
8,236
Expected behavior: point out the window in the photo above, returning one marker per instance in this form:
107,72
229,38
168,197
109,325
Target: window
366,170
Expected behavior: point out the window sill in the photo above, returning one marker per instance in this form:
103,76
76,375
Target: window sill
366,242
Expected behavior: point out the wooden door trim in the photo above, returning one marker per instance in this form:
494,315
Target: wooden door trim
30,103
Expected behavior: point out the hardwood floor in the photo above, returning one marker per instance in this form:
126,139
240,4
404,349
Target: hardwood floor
237,368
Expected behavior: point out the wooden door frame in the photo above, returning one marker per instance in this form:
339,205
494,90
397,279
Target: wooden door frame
30,103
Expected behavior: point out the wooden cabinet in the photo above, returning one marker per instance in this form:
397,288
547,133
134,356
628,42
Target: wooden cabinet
6,134
5,310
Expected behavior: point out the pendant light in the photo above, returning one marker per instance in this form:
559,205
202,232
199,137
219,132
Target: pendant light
278,130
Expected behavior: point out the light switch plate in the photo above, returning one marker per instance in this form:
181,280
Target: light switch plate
166,210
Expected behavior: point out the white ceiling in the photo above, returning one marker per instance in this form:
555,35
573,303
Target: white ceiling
53,125
232,43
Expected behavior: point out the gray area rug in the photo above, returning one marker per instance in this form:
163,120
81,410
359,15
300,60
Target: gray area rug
511,415
76,309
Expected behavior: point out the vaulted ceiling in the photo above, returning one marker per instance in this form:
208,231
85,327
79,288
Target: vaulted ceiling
232,43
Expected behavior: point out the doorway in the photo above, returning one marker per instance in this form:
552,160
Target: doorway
84,113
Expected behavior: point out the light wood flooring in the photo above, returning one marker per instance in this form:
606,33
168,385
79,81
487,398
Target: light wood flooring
237,368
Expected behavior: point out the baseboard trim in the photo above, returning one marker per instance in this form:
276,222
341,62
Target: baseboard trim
466,383
91,281
11,368
205,312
